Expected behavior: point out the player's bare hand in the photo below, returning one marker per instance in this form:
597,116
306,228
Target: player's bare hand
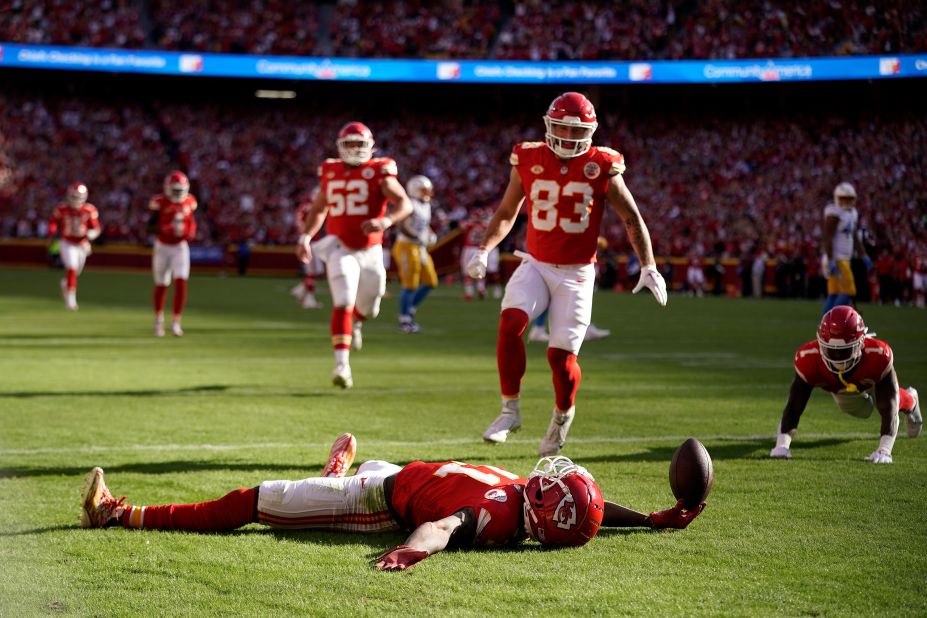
380,224
400,558
677,517
476,267
303,249
652,280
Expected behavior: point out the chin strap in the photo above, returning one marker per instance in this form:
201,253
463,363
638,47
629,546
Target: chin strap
851,388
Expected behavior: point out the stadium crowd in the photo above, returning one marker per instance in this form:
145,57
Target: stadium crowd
523,29
744,188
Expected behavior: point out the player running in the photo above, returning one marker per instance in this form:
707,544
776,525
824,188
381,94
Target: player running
79,224
410,251
858,371
446,505
173,224
356,189
566,183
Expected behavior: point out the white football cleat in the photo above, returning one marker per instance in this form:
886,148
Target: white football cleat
593,332
175,328
537,333
310,302
507,422
159,327
70,304
298,291
357,337
556,434
341,376
913,421
99,507
780,452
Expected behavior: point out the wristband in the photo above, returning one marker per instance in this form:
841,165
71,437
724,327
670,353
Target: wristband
304,239
386,222
886,443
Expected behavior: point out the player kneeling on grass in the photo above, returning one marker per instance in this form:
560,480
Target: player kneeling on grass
446,505
856,368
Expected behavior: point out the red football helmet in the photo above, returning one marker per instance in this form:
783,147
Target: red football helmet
570,122
77,194
841,337
355,143
176,186
562,504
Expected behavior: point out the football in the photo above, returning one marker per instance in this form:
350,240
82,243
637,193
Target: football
691,473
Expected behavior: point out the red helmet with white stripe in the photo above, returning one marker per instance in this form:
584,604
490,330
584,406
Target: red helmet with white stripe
570,122
77,194
176,186
563,506
841,337
355,143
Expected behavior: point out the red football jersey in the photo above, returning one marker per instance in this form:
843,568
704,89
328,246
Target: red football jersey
74,222
175,221
875,364
431,491
565,200
353,194
474,232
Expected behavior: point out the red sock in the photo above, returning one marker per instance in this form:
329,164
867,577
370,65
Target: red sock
234,510
905,400
180,296
309,283
566,375
357,315
341,328
160,295
510,351
72,279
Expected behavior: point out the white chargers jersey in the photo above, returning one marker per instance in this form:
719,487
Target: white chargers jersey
846,230
416,227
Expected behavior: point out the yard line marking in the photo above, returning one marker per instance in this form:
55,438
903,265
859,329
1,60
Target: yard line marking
322,446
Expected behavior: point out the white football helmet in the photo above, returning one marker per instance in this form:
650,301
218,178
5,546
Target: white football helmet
844,190
420,188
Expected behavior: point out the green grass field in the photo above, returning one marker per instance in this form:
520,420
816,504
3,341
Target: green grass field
246,397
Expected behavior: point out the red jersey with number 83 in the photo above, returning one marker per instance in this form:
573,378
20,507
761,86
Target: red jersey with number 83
353,195
565,200
431,491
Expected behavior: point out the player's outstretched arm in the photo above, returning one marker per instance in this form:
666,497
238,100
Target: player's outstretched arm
311,226
678,517
621,200
799,394
499,226
886,399
429,538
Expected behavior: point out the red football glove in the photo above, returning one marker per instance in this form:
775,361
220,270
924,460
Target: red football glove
676,517
400,558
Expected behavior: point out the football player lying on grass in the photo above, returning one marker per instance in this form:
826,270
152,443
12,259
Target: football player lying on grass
857,369
447,505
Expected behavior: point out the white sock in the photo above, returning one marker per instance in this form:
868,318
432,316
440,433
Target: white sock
342,356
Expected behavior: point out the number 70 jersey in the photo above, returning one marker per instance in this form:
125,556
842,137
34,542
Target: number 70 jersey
353,195
565,200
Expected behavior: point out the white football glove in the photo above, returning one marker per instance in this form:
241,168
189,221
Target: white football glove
880,456
781,452
476,267
652,279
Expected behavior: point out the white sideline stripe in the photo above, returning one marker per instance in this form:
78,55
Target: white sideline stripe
323,446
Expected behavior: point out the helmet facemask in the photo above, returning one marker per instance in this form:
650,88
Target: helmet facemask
841,356
551,512
77,195
354,149
569,136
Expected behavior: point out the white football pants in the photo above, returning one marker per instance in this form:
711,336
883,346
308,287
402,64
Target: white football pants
348,504
566,290
73,256
356,277
170,262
